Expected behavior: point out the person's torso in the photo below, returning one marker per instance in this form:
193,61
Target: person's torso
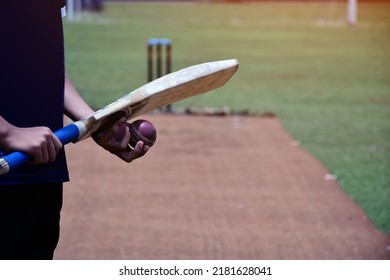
32,76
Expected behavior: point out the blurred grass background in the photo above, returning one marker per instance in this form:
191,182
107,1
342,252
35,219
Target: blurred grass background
329,83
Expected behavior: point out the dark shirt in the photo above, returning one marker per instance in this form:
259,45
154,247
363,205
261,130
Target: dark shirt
32,77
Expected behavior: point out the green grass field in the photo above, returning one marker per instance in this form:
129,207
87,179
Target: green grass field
328,83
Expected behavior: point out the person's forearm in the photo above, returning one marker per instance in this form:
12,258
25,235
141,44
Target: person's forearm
74,105
5,127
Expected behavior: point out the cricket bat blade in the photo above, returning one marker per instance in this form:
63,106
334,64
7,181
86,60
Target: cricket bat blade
168,89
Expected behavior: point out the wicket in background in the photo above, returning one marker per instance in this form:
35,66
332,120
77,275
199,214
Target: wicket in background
155,46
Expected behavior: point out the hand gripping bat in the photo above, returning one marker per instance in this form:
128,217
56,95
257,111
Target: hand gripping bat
166,90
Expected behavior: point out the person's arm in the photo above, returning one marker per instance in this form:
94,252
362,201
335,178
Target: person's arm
74,105
115,139
39,142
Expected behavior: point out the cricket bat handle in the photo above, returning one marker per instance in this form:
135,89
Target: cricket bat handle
16,159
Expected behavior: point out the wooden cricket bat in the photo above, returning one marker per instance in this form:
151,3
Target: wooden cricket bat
166,90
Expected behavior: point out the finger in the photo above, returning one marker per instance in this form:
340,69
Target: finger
140,149
131,154
37,156
48,149
51,151
125,137
121,132
105,136
144,149
56,143
44,153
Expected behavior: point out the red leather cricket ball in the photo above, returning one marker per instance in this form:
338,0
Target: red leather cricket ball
142,130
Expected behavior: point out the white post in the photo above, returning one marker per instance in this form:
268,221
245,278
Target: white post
69,10
73,10
352,12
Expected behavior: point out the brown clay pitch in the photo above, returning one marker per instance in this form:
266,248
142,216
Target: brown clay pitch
211,188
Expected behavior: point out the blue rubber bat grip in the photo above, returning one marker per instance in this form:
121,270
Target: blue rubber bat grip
14,160
68,133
